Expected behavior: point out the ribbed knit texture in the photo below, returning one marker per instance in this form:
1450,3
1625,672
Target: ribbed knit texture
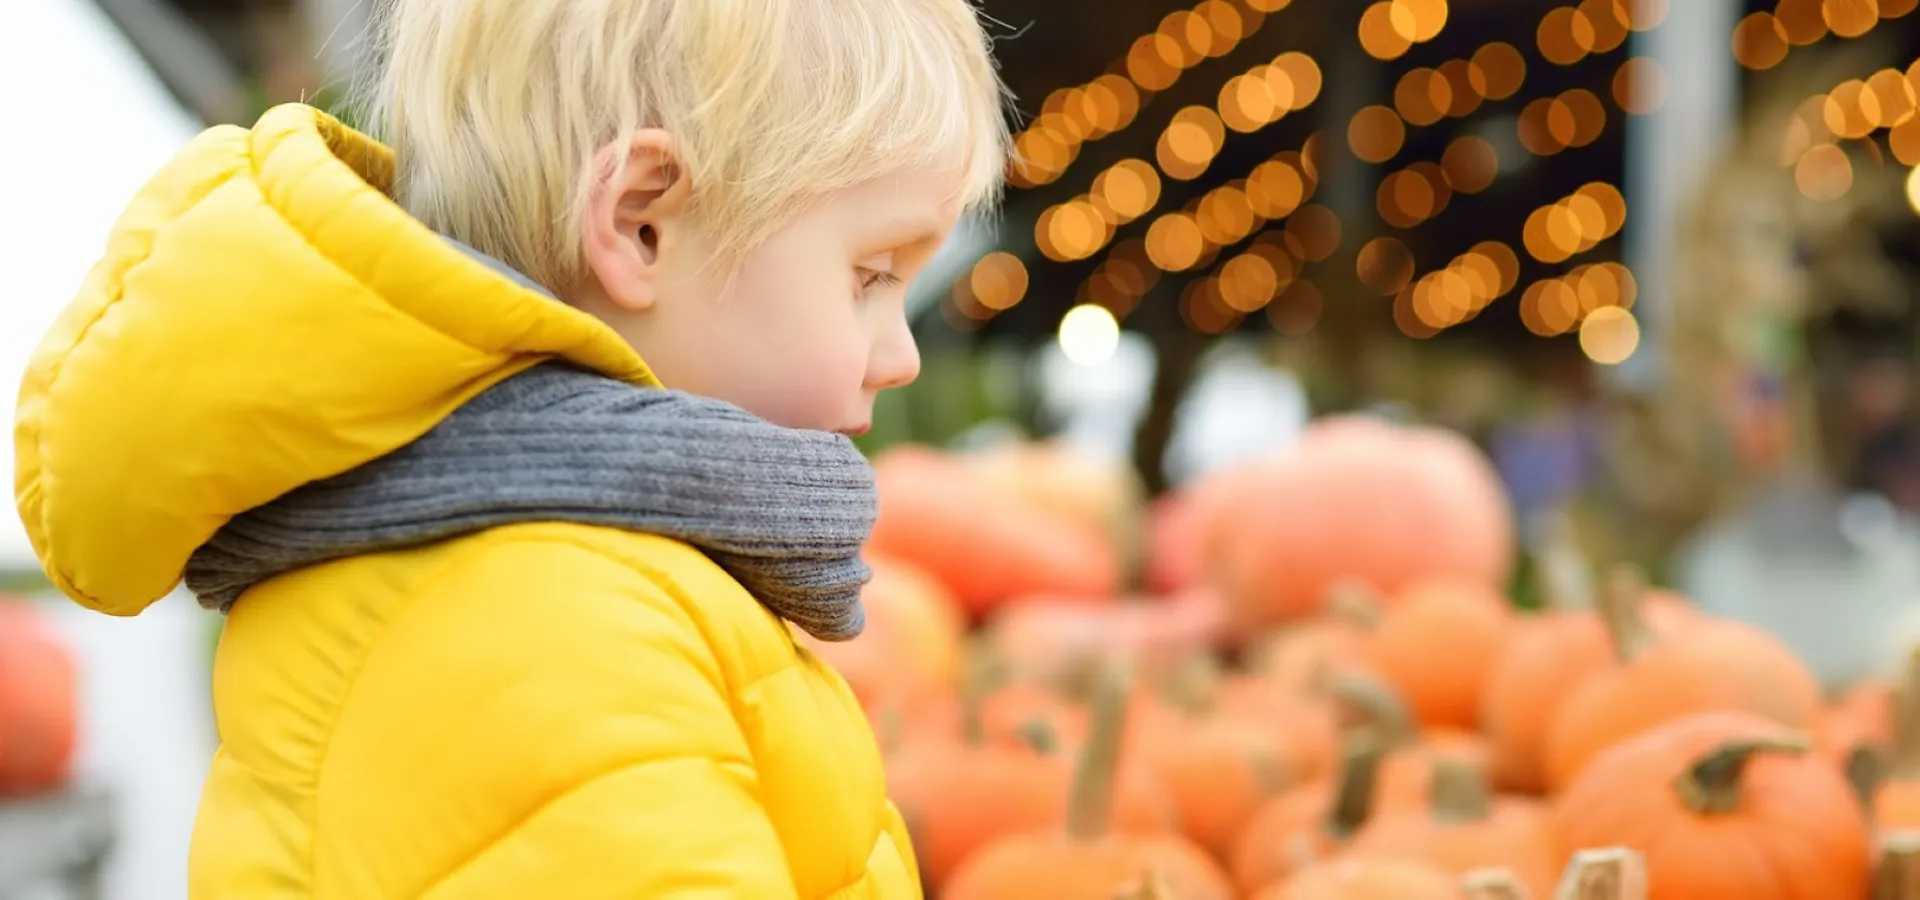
784,511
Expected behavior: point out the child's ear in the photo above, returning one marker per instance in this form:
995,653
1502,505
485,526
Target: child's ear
634,215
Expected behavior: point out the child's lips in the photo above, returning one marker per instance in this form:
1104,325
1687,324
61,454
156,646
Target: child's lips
857,430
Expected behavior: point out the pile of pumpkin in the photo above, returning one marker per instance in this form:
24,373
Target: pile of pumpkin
1321,692
39,702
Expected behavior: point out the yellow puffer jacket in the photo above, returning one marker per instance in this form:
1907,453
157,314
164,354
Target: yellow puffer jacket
537,711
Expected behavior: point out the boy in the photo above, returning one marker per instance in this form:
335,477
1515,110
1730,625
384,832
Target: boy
505,616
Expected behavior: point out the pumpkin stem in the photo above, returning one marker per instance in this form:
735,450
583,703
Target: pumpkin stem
1898,874
1493,884
1866,770
1613,873
1039,736
1151,886
1194,683
1090,800
1712,785
1561,574
1620,610
1353,796
985,673
1354,602
891,725
1459,792
1375,705
1906,720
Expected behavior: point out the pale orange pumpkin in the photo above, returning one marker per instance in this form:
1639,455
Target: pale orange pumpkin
1711,799
1406,774
39,702
1365,879
1059,641
1085,860
1364,499
932,513
1302,655
1436,644
1465,828
1103,495
1707,665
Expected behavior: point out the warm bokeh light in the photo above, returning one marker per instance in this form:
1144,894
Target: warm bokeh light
1850,18
1503,259
1760,41
1089,334
1190,142
1609,19
1501,68
1639,86
1894,9
1583,116
1850,110
1205,310
1384,265
1147,63
1225,216
1804,21
1407,319
1613,205
1894,96
1129,188
1297,309
1463,90
1275,189
1248,282
1535,127
1422,97
1471,163
1609,335
1565,36
1423,20
1482,275
1824,173
1643,15
1404,199
1378,36
998,280
1174,242
1302,73
1904,141
1913,189
1375,134
1316,230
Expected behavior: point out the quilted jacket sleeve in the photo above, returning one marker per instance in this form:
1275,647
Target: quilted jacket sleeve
547,723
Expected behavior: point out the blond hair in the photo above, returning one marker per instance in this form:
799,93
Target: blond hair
496,108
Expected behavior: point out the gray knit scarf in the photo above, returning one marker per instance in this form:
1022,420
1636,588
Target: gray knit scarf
783,511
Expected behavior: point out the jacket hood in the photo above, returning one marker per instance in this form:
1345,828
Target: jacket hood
264,316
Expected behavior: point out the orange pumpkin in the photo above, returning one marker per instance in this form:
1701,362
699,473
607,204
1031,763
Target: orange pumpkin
1218,768
1436,644
1465,829
1359,498
932,513
1301,656
1310,822
960,792
1365,879
1307,725
1708,665
1861,717
1086,861
1060,641
909,653
1714,800
1102,495
39,702
1547,656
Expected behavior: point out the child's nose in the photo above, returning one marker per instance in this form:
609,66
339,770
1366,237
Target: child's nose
895,358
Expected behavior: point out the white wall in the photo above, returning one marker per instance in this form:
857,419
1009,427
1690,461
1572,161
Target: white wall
86,124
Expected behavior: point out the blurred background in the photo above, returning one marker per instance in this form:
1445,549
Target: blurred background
1651,263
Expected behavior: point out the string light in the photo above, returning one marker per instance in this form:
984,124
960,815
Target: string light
1089,334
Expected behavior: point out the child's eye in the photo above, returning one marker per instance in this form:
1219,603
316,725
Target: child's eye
873,278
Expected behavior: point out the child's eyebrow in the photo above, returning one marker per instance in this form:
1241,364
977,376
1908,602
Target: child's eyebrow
907,230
